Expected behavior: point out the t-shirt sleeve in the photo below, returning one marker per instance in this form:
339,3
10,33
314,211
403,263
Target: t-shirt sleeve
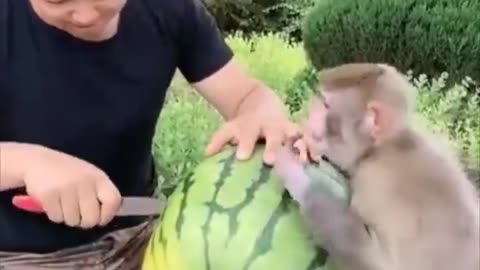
202,50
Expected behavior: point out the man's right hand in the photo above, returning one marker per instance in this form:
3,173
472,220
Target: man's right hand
71,190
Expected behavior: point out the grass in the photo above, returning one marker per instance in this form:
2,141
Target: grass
187,121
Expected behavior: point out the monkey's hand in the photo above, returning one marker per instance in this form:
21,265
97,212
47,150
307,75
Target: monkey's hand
291,172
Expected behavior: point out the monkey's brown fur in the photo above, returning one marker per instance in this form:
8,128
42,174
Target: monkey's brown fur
412,205
374,82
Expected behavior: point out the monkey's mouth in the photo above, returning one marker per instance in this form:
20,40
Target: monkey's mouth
342,171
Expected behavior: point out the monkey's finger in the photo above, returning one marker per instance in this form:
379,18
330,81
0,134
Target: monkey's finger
219,139
301,147
247,139
294,137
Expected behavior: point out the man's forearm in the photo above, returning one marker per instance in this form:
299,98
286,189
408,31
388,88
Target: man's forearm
232,90
14,159
257,97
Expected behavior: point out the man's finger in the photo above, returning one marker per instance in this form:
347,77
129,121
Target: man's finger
274,141
53,208
89,206
247,140
293,131
219,139
70,207
110,200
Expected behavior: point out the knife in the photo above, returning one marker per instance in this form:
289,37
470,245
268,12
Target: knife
130,206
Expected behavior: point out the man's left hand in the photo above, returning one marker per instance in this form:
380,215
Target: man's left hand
260,117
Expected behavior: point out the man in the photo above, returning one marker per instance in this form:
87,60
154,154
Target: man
82,83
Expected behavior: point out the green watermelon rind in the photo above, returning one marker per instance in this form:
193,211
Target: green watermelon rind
208,219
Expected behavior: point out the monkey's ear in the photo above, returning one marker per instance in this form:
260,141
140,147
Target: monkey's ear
378,119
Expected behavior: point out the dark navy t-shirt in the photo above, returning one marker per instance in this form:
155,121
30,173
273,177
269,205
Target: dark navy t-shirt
99,101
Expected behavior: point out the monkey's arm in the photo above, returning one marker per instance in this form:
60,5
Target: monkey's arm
324,213
291,174
332,224
340,231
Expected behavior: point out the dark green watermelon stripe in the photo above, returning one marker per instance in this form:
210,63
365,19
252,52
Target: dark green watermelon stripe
319,260
263,243
185,187
234,212
213,206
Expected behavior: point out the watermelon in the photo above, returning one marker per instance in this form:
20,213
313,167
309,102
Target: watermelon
234,215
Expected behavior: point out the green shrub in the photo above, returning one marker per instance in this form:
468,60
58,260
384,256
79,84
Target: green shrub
260,16
454,114
187,122
425,36
300,88
235,15
286,16
269,58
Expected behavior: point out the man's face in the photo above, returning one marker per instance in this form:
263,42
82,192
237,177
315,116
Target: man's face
92,20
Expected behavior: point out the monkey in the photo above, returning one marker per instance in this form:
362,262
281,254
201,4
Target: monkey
412,205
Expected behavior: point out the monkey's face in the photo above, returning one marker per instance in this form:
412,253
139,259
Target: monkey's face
338,127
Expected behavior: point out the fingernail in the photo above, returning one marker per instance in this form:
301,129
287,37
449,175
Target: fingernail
241,155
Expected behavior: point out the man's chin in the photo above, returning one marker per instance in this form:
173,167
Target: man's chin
97,33
92,36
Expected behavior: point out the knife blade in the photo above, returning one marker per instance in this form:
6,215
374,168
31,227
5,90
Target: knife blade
130,206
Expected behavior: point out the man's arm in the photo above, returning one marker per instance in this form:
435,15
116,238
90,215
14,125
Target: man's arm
208,64
231,88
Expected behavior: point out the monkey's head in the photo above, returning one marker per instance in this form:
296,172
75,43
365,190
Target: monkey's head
359,106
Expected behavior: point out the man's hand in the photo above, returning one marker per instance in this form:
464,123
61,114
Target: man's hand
71,191
260,117
252,112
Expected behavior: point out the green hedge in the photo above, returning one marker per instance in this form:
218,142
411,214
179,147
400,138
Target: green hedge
260,16
425,36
